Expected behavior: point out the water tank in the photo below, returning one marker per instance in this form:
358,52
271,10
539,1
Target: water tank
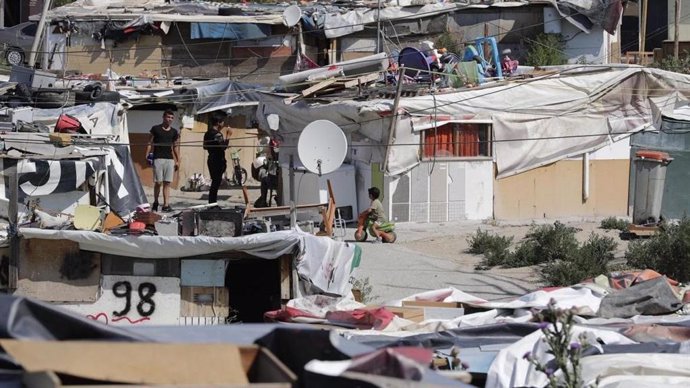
552,21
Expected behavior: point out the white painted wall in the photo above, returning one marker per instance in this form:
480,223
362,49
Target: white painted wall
617,150
442,191
479,183
684,26
592,47
166,301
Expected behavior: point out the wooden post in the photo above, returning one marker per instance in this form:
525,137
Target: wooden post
13,272
2,13
676,33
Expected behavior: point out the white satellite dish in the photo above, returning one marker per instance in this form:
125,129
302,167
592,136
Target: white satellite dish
322,147
292,15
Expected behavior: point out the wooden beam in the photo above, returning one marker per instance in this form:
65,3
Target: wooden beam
321,85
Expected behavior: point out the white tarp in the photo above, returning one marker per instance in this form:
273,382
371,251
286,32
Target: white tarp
323,264
336,25
535,122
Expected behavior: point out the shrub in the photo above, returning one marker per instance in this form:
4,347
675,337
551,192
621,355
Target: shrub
545,50
589,260
615,224
667,252
544,243
493,247
450,42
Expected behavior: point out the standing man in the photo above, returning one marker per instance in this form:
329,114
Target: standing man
215,144
164,141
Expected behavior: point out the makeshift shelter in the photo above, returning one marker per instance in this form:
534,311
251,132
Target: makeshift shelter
440,155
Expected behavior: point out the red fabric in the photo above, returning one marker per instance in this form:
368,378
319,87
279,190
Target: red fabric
286,314
362,318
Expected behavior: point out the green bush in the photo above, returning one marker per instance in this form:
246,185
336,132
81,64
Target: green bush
543,244
545,50
667,252
615,224
589,260
493,247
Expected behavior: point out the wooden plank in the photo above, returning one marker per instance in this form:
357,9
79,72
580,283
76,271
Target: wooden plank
204,302
429,303
361,80
321,85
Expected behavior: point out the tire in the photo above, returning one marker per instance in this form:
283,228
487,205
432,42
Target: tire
362,237
53,98
239,178
394,239
14,56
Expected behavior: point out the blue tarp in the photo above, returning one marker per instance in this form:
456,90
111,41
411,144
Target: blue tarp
230,31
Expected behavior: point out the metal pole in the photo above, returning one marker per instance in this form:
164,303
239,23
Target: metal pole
394,118
39,33
676,33
13,197
2,13
293,208
378,27
643,28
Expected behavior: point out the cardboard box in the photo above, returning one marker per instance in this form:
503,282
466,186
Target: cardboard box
76,363
437,310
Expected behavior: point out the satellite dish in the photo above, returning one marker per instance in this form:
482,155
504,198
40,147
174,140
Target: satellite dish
292,15
322,147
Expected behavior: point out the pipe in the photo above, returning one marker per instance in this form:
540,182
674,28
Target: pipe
585,177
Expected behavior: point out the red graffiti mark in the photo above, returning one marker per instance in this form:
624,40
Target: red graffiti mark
97,316
133,322
107,319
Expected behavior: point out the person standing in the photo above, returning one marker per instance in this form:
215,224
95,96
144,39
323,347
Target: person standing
163,148
215,143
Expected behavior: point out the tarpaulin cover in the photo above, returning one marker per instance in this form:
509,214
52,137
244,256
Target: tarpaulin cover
651,297
229,31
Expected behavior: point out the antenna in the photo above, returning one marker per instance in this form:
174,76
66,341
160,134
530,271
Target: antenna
292,15
322,147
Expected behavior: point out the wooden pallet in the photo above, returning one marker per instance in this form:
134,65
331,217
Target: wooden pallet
643,230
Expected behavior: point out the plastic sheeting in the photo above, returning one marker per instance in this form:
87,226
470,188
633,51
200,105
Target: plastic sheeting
223,95
229,31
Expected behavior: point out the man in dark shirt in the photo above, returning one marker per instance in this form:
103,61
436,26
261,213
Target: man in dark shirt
216,144
164,142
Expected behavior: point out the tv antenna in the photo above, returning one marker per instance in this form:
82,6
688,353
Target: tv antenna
321,148
291,16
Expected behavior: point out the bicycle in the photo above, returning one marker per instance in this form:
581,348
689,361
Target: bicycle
239,174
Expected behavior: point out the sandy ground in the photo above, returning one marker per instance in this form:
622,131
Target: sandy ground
430,256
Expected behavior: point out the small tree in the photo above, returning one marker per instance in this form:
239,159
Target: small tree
546,50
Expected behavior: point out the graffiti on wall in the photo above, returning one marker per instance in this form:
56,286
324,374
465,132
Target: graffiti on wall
128,300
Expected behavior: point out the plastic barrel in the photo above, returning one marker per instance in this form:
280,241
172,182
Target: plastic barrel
650,176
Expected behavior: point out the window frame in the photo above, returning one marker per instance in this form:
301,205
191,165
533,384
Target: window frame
484,124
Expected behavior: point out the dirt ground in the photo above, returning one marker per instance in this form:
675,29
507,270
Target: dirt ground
433,256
